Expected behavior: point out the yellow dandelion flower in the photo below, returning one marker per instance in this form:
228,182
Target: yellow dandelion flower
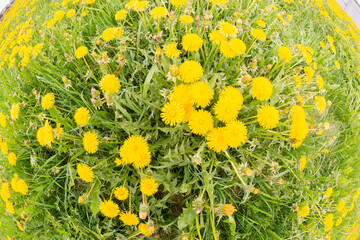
268,117
181,94
201,122
285,54
297,113
216,140
190,71
45,135
85,172
158,12
235,133
298,132
341,206
141,6
90,142
48,101
261,23
323,45
297,80
320,104
328,222
172,113
14,113
2,120
12,158
258,34
337,65
216,37
232,48
171,50
148,186
59,15
37,49
261,88
219,2
82,116
309,72
304,211
121,193
228,209
111,34
9,207
302,163
19,185
4,148
130,4
192,42
144,229
81,52
129,218
319,82
5,191
228,30
229,104
58,131
352,205
300,99
135,150
201,93
344,213
109,208
109,84
186,19
70,13
19,225
121,15
339,221
189,110
329,192
178,3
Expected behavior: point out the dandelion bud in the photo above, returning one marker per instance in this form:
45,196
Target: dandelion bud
246,12
158,52
26,142
174,70
104,55
93,91
151,229
26,203
122,42
143,215
144,211
197,18
254,62
247,78
66,35
81,199
280,181
121,57
228,209
206,18
184,237
98,42
286,111
255,191
40,31
248,172
66,55
238,21
64,79
246,23
94,54
328,103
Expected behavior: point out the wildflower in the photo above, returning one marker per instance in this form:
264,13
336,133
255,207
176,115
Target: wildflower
232,48
216,37
121,14
297,113
129,218
319,82
37,49
219,2
4,147
329,192
229,104
261,88
2,120
337,65
268,117
81,52
320,104
148,186
216,140
190,71
9,207
201,93
121,193
135,150
186,19
130,4
111,34
304,211
144,229
85,172
226,29
258,34
285,54
235,133
70,13
14,113
82,116
228,209
158,12
192,42
345,212
181,94
109,84
341,206
261,23
309,72
178,3
109,208
338,221
19,225
12,158
171,50
302,163
5,191
48,101
45,135
248,172
328,222
172,113
298,132
81,199
59,15
19,185
90,142
141,6
201,122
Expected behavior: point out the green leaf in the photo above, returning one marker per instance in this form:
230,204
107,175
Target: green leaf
148,80
187,218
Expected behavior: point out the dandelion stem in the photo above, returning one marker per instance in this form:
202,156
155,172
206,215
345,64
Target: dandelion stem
197,226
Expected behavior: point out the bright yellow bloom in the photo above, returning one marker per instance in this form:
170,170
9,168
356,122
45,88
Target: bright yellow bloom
235,133
297,113
14,113
37,49
58,131
219,2
82,116
144,229
229,104
329,192
4,147
19,185
81,52
45,135
111,34
201,122
141,6
339,221
302,163
121,14
268,117
178,3
85,172
319,82
5,191
109,208
309,72
9,207
228,30
148,186
135,150
2,120
121,193
90,142
59,15
261,23
186,19
337,65
129,218
48,101
70,13
19,225
158,12
201,93
172,113
192,42
298,132
171,50
304,211
344,212
285,54
12,158
110,84
190,71
258,34
130,4
320,104
341,206
216,140
232,48
181,94
261,88
216,37
228,209
328,222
